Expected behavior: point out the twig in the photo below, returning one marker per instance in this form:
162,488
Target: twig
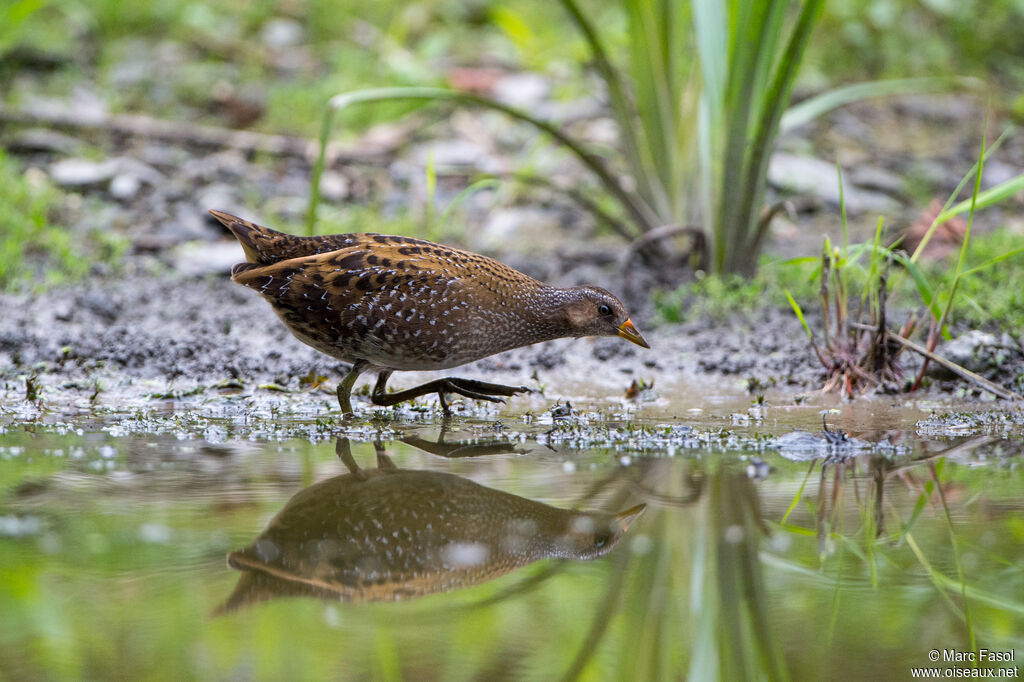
183,133
656,234
619,227
963,372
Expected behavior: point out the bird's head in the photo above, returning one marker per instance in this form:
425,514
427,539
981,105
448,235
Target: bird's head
592,311
589,535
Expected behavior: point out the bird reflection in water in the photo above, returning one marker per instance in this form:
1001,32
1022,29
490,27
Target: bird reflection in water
388,534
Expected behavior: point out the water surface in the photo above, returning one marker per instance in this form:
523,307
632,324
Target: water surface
696,541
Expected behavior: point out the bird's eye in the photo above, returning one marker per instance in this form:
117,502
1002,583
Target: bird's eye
604,309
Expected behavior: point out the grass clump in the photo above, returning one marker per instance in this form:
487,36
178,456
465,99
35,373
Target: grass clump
990,294
710,296
35,250
718,297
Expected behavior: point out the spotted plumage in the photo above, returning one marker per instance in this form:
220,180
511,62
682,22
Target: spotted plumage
390,534
388,303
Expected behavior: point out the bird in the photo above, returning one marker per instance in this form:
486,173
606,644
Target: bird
389,303
389,534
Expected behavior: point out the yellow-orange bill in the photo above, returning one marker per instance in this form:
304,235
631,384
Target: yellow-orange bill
629,332
625,519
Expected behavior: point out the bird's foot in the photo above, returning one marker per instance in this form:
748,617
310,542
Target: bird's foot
468,388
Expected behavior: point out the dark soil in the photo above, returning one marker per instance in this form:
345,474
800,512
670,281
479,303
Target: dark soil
184,332
169,322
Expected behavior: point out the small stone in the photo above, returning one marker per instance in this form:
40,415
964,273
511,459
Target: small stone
280,33
875,178
523,90
125,187
198,258
969,351
45,140
83,172
818,178
449,153
80,172
334,186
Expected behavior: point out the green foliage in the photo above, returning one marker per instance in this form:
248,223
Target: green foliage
723,296
28,207
749,61
35,250
870,38
688,129
14,15
713,296
991,294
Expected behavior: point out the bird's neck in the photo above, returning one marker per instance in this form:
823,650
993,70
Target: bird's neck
546,317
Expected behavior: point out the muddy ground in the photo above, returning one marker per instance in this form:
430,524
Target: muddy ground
128,340
168,324
166,335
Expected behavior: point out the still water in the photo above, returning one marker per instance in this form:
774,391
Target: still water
705,546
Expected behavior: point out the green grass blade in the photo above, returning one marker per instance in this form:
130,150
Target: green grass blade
620,97
800,315
924,288
813,107
803,483
768,123
989,197
970,175
640,212
991,262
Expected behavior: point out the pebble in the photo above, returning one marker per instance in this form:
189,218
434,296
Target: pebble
44,140
976,350
82,172
125,187
818,178
334,186
281,33
875,178
523,90
199,258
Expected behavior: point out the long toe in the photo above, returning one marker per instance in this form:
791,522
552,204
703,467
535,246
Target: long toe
486,387
479,396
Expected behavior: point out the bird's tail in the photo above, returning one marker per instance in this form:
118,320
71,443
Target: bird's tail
253,238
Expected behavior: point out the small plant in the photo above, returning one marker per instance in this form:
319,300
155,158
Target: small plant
32,388
860,352
34,248
696,133
856,354
713,296
13,17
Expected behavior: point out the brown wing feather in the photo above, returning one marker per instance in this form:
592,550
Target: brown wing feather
372,262
265,246
403,302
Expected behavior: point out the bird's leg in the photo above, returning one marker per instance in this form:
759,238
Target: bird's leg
344,451
470,388
384,463
345,387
